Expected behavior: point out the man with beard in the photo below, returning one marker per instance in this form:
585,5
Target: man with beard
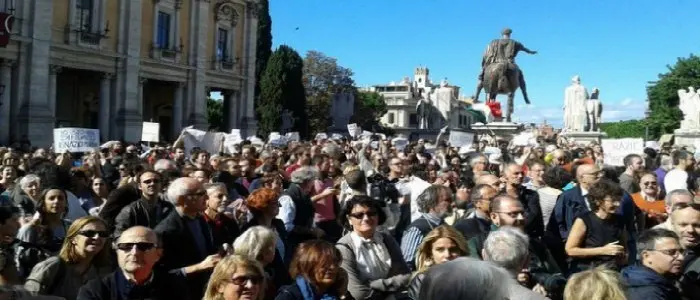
660,264
147,211
679,178
543,273
686,223
434,204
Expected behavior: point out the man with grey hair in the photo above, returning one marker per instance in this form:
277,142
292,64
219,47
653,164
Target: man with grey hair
672,200
434,204
188,244
508,248
164,165
297,210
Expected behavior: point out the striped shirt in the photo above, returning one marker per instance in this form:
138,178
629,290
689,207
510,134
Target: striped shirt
412,239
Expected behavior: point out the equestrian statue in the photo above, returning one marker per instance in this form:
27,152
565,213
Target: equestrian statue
499,73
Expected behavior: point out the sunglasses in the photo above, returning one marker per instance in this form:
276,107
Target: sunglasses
149,181
254,279
94,233
360,216
126,247
649,183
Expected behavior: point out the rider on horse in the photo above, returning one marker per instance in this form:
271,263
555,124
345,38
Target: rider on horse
504,50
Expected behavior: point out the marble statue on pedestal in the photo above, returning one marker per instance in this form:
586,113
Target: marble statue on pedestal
575,97
287,120
594,109
689,104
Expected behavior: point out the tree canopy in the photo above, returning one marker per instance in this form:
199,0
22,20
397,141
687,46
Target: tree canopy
664,114
215,114
323,78
625,129
369,107
264,44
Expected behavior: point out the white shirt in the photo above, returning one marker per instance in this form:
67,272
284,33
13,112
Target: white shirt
372,257
676,180
413,187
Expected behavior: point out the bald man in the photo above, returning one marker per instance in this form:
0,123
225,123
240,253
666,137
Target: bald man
138,251
490,180
573,202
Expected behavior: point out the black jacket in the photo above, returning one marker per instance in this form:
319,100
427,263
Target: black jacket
164,286
644,283
136,213
472,227
531,203
180,249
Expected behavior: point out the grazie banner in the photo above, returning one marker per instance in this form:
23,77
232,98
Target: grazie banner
5,28
75,140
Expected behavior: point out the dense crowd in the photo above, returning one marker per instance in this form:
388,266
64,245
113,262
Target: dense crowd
343,219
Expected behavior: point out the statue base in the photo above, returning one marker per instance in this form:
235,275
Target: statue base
504,131
584,137
686,137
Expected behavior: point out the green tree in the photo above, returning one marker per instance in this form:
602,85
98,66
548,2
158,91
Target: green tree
264,44
625,129
215,114
369,107
323,78
664,114
281,88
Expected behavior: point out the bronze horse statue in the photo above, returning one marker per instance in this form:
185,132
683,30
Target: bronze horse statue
502,78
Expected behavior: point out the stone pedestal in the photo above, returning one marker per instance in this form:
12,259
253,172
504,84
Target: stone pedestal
584,137
686,137
504,131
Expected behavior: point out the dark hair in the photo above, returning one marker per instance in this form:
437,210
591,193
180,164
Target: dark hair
138,175
8,212
429,198
495,204
556,177
681,154
360,200
627,161
602,189
118,199
531,163
311,256
356,180
647,239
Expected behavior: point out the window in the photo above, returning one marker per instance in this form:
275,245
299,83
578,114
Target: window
222,44
163,32
413,120
390,118
85,15
7,6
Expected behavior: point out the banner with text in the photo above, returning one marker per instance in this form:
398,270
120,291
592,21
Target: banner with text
616,149
150,132
459,139
75,139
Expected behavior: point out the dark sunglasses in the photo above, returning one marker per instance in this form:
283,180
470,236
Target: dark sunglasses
362,215
649,183
254,279
149,181
126,247
94,233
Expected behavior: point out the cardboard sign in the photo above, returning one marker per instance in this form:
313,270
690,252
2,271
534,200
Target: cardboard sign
75,140
459,139
616,149
150,132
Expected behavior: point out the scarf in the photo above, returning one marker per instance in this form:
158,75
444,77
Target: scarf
308,292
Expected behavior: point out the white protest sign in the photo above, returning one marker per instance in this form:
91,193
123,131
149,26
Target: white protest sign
277,139
293,136
459,139
399,143
321,136
615,150
75,140
352,130
336,136
523,139
150,132
207,141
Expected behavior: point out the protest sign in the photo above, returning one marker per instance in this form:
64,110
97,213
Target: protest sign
208,141
399,143
353,130
150,132
75,140
616,149
321,136
293,136
459,139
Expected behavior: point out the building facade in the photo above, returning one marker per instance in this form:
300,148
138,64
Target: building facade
113,64
439,104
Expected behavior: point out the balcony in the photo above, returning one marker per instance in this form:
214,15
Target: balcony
225,63
168,54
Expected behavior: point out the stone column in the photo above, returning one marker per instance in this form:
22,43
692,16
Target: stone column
128,119
178,109
105,103
5,100
251,33
142,82
53,76
197,87
231,103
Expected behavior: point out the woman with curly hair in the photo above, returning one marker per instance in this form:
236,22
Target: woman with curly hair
442,244
597,237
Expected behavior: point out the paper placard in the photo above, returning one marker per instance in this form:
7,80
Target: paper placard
353,130
321,136
293,136
399,143
616,149
150,132
207,141
459,139
75,140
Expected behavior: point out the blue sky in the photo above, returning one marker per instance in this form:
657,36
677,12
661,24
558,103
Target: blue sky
617,46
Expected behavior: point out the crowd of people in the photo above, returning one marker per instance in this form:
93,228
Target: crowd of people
343,219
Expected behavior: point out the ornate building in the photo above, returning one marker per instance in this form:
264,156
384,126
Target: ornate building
112,64
421,105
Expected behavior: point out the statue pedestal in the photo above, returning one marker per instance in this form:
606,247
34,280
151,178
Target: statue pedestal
504,131
584,137
686,137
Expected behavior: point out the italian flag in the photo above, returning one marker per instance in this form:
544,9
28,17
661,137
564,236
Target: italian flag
483,112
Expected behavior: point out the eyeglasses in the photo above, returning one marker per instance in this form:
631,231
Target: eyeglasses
143,247
94,233
149,181
670,252
361,215
512,214
648,183
254,279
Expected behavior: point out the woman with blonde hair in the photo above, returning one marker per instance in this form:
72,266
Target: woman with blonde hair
258,243
442,244
236,277
596,283
83,257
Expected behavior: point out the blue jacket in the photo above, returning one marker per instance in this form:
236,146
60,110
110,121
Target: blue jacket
570,205
645,284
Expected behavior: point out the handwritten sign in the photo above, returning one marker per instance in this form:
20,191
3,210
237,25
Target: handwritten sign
150,132
75,139
459,139
616,149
